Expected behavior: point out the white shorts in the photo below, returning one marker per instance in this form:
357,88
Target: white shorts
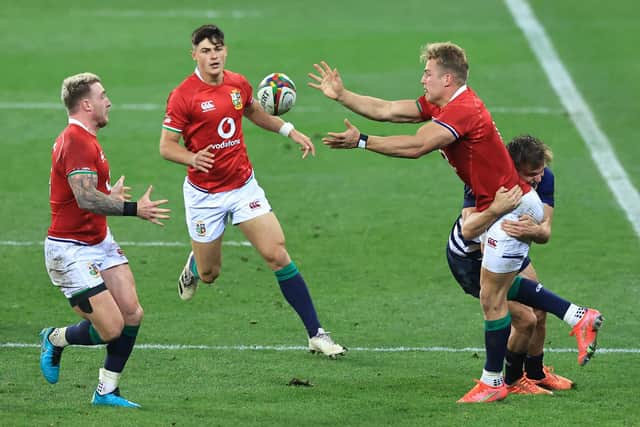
75,267
208,213
503,253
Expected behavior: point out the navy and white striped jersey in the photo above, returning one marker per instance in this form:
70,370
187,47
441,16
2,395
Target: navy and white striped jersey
471,248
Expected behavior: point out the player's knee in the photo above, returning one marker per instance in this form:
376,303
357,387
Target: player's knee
277,258
134,317
112,331
526,323
525,328
491,303
209,275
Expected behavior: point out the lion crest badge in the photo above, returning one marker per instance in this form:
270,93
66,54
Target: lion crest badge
236,99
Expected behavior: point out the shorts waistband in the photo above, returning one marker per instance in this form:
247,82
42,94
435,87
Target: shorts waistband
75,242
204,190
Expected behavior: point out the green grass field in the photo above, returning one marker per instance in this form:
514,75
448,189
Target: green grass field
367,232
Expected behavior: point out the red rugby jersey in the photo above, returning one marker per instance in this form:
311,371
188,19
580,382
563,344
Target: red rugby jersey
478,155
211,115
76,151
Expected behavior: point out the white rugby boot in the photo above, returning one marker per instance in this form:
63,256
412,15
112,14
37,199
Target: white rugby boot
187,282
322,343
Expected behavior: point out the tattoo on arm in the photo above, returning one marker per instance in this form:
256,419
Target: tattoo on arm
88,197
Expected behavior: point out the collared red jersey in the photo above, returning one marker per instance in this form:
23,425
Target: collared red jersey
211,116
478,155
76,151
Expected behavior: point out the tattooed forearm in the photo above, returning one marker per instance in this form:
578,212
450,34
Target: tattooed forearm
84,187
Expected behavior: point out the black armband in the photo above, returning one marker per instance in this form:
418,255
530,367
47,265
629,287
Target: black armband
130,209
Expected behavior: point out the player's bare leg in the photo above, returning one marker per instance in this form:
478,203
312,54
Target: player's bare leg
493,298
203,263
266,235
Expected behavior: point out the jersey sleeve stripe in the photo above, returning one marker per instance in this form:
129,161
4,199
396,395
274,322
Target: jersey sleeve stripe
450,128
172,129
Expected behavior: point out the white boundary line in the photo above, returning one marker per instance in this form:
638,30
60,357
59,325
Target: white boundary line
584,120
168,244
175,13
402,349
299,108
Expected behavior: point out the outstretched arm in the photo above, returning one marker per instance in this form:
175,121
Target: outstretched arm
429,137
89,198
329,82
258,116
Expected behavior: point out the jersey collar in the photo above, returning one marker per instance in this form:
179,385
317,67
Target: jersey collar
78,123
197,73
458,92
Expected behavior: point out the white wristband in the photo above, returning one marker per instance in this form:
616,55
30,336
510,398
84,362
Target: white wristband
286,129
362,140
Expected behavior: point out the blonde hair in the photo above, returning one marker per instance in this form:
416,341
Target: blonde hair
76,87
449,56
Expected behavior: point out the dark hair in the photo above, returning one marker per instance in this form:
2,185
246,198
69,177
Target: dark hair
208,31
530,151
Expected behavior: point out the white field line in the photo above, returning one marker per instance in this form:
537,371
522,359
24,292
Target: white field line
171,13
299,108
402,349
583,118
169,244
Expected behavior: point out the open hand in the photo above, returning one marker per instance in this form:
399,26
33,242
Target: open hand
346,139
149,210
119,191
328,81
306,146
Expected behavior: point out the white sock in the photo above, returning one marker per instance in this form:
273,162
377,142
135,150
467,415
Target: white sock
574,314
57,337
493,379
108,381
320,331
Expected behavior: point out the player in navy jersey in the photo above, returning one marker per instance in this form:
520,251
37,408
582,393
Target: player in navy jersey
526,342
206,111
462,129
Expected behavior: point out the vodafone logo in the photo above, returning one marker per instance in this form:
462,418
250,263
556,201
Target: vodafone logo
226,128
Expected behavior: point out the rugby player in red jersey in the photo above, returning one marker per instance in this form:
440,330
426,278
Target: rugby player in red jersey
206,112
81,255
461,128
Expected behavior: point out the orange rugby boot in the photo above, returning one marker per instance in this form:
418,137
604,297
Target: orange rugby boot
525,386
586,333
553,381
484,393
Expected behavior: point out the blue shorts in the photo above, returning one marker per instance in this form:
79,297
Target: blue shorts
466,271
